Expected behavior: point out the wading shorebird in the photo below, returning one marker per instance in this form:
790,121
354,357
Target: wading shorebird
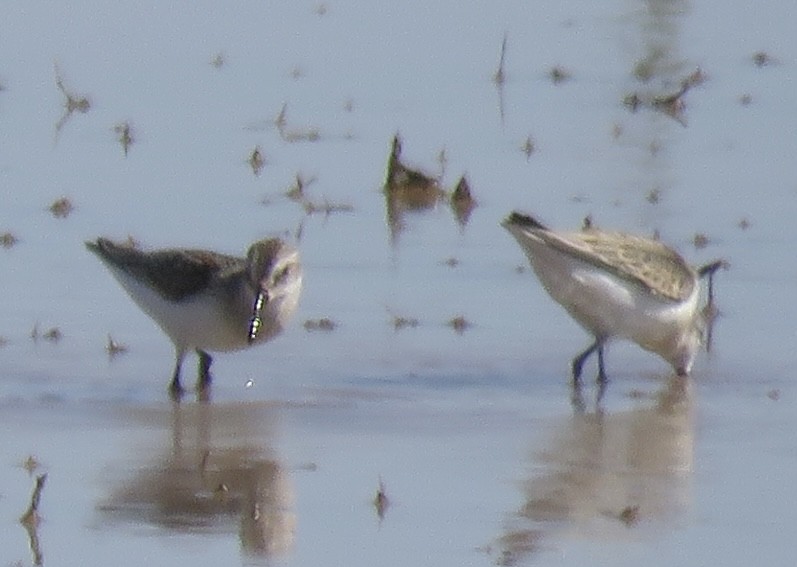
208,301
618,285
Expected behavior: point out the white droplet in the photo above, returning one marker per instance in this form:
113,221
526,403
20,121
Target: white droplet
250,383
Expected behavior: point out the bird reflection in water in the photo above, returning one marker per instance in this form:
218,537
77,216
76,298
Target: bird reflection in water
602,474
411,190
215,472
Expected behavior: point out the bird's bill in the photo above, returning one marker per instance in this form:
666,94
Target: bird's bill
256,321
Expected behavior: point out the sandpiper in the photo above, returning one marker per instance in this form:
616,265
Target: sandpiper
208,301
618,285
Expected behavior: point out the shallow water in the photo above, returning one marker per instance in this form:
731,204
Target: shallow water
483,455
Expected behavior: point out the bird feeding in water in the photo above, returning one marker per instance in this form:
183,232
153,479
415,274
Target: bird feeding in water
208,301
617,285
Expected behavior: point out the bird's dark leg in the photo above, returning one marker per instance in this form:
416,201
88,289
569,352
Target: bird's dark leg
175,388
709,270
602,379
204,378
710,311
578,361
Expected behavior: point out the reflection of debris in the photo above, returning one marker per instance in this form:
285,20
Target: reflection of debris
462,201
744,223
321,9
72,103
323,324
654,196
774,394
746,99
61,208
587,223
256,160
451,262
459,324
407,189
7,240
125,133
114,348
499,77
381,501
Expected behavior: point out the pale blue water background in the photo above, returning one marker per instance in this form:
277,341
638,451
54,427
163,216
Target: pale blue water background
474,435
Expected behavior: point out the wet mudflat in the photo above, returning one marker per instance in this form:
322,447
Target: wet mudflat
418,409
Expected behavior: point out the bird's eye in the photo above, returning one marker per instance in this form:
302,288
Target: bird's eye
282,274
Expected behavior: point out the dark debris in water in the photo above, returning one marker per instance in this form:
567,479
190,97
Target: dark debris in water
257,160
762,59
72,103
52,335
61,208
31,516
629,515
462,201
654,196
296,191
114,347
326,207
124,134
218,60
559,75
528,147
516,546
323,324
8,240
499,77
31,464
700,240
400,322
459,324
381,501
